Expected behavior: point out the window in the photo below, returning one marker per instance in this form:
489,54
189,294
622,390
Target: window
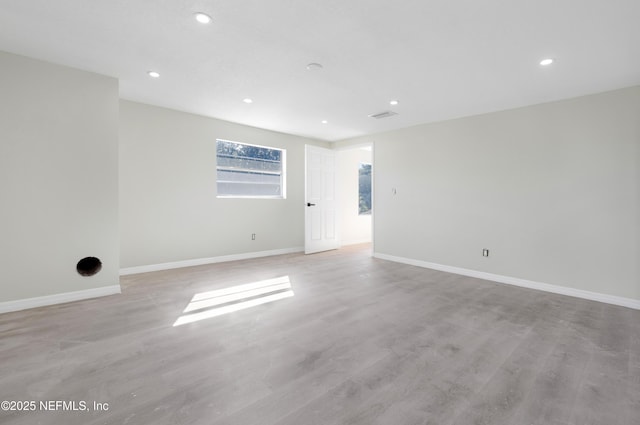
249,171
364,183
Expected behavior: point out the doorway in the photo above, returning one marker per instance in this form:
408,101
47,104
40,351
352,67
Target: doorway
354,172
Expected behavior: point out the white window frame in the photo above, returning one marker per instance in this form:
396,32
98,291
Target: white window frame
283,173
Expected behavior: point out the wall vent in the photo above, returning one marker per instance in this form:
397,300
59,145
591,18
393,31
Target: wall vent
384,114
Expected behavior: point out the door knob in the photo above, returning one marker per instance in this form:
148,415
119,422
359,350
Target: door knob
309,204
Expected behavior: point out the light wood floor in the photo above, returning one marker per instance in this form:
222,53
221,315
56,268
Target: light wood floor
362,341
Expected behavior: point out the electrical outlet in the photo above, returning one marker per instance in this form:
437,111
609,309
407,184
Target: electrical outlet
485,252
253,236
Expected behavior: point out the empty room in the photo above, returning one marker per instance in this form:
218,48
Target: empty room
306,212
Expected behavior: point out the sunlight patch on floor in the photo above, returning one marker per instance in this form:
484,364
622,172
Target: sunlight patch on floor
235,298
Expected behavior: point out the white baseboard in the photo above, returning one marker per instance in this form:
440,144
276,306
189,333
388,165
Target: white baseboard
563,290
355,242
211,260
65,297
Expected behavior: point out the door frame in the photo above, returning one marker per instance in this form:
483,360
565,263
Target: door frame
338,149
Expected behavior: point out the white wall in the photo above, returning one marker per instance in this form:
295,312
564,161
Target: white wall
168,206
354,228
552,190
58,178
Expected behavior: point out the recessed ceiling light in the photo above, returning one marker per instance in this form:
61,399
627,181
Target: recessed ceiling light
324,121
153,74
314,66
393,102
203,18
247,100
546,62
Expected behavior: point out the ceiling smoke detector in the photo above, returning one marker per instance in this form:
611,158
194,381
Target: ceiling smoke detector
314,66
384,114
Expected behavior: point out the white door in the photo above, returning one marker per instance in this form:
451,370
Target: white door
321,210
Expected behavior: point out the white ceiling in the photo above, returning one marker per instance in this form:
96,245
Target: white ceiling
440,58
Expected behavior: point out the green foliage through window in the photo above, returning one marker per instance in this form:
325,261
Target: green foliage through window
364,189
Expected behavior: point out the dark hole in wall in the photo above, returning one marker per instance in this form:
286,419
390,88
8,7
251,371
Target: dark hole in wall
89,266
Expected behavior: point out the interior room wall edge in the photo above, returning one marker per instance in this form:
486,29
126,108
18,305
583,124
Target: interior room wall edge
524,283
61,298
211,260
